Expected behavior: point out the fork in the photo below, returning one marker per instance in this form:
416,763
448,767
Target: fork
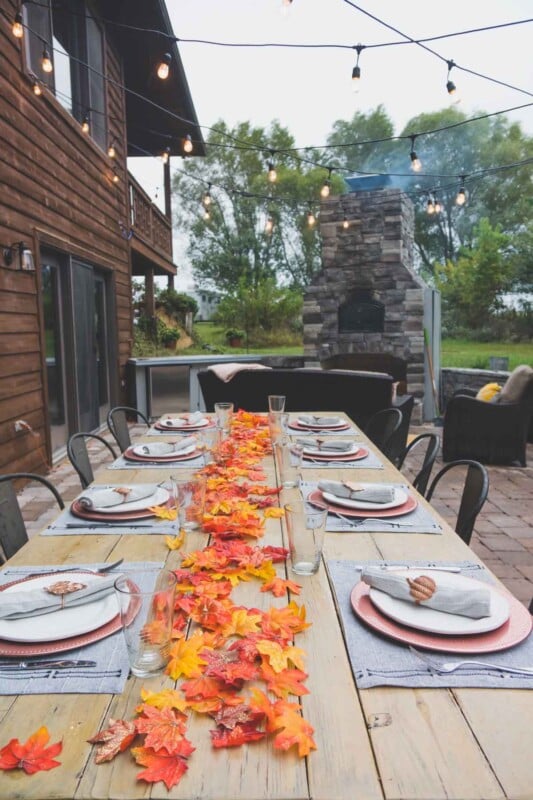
446,667
102,569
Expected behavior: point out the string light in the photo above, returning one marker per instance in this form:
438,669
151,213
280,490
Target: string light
356,72
36,86
207,199
163,68
460,198
272,175
46,62
188,146
116,177
112,149
345,223
207,215
269,225
17,28
165,155
326,187
438,206
311,219
430,208
85,126
416,164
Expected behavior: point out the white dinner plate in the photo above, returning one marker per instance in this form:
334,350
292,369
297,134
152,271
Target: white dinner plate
428,619
59,624
158,498
314,451
334,422
400,497
181,422
183,451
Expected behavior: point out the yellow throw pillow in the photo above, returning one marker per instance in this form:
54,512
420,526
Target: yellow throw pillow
488,391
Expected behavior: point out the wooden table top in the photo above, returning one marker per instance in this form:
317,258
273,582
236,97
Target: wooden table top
384,742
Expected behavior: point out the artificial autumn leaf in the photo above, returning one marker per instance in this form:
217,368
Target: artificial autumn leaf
260,704
240,734
279,657
163,727
289,681
230,716
210,614
163,766
296,731
242,623
184,658
113,740
166,698
175,542
224,664
284,622
163,512
32,756
279,587
274,512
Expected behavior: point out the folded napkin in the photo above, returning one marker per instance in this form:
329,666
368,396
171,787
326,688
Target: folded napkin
166,448
430,590
319,445
16,605
358,491
313,419
225,372
117,496
183,422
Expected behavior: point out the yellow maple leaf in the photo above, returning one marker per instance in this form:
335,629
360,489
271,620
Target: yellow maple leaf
162,512
175,542
242,623
274,512
279,657
184,658
166,698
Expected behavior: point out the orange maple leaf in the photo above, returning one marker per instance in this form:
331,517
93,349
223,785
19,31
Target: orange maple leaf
279,586
288,681
161,765
113,740
296,731
234,737
163,727
285,621
32,756
279,657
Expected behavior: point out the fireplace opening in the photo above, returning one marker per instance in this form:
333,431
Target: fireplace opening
361,313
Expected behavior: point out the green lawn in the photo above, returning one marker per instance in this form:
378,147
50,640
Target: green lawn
475,355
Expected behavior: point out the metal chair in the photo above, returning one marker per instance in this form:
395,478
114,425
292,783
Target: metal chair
381,429
420,481
79,456
13,532
117,422
475,491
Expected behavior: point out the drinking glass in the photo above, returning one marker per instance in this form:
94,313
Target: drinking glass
223,412
278,426
146,604
288,462
210,442
276,402
190,498
306,526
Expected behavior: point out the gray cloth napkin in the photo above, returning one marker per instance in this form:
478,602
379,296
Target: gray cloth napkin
183,422
379,661
16,605
321,446
468,602
167,448
363,492
109,497
314,419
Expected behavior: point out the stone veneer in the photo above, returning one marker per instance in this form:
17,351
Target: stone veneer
374,253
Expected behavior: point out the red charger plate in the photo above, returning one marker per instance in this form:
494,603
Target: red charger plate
362,452
129,455
79,511
317,499
297,426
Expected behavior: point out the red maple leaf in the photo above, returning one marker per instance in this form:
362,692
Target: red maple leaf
231,716
163,727
296,730
222,737
226,666
32,756
163,766
113,740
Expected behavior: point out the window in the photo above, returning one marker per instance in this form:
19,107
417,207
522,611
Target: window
74,40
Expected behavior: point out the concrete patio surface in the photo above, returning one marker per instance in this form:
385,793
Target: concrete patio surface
503,534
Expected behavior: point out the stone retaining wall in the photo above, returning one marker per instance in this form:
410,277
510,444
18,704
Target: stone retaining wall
452,379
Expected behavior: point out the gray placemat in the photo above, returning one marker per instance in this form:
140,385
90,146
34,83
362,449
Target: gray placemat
350,431
378,661
371,461
189,463
420,520
112,666
177,432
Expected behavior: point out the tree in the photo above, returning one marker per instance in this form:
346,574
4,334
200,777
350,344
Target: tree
232,245
371,126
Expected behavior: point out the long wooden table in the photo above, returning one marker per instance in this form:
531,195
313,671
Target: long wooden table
384,742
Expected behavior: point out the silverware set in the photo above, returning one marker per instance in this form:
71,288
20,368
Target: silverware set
447,667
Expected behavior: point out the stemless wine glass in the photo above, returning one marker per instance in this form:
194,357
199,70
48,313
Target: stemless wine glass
305,526
276,402
223,413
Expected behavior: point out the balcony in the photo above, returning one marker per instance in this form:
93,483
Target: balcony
151,242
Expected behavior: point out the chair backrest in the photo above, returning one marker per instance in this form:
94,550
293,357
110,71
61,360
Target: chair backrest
432,442
117,422
13,532
381,428
79,456
475,491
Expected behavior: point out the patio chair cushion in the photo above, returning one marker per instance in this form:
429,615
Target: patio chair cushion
516,384
489,393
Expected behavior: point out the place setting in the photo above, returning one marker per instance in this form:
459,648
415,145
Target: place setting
359,506
117,510
182,423
61,627
438,624
187,452
314,424
332,453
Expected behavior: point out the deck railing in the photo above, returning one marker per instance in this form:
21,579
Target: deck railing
151,226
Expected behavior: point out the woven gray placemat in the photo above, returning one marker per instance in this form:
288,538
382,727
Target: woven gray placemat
379,661
188,463
112,666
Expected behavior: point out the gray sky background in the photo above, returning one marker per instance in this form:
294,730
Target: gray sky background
307,90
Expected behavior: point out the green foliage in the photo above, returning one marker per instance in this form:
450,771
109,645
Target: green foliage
169,335
176,304
472,286
469,354
262,308
235,333
362,127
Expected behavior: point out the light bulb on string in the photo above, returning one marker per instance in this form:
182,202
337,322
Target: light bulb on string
116,177
416,164
356,71
163,68
207,215
17,28
207,199
430,208
85,126
37,89
112,149
272,175
165,155
269,225
460,198
326,186
345,223
451,88
311,219
46,62
188,145
438,206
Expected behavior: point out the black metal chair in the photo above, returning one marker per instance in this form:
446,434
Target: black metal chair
13,532
79,455
432,441
117,422
475,491
381,429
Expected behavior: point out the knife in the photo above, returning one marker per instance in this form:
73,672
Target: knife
394,567
104,524
54,664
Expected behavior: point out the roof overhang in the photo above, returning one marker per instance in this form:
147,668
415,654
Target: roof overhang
159,113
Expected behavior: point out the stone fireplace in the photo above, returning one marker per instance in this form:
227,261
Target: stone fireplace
367,300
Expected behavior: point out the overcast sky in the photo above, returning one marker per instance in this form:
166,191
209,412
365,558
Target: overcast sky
307,90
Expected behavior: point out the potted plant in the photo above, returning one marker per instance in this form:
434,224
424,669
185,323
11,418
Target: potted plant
234,337
169,336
